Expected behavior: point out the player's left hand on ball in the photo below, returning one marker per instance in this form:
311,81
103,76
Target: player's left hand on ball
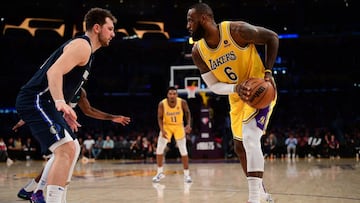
243,91
269,77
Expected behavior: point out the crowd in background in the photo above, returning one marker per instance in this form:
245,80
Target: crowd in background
329,135
110,144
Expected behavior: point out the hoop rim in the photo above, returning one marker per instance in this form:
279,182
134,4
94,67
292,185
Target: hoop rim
191,87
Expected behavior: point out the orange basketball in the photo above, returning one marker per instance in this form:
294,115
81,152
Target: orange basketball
262,92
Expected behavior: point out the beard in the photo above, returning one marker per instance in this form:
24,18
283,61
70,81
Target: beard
103,41
198,34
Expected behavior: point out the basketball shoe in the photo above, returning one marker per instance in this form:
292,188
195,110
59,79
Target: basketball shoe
22,194
38,197
158,177
187,179
265,196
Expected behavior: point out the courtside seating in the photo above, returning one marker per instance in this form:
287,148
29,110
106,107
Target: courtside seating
150,30
32,25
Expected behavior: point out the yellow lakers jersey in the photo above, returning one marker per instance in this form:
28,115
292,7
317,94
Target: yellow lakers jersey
175,115
229,62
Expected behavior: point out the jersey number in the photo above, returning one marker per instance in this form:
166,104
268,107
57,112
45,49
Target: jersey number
230,73
173,119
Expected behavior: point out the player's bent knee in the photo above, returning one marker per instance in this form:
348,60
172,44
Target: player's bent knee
251,141
161,144
182,146
77,148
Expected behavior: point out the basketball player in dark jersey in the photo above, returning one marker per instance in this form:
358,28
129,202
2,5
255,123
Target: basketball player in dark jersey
226,56
43,101
33,190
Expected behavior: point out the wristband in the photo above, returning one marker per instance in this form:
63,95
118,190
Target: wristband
268,71
60,100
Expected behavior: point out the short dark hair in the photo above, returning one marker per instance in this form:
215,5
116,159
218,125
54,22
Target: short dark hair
171,88
97,16
203,9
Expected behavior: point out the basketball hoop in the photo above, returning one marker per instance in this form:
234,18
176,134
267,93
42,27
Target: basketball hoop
191,91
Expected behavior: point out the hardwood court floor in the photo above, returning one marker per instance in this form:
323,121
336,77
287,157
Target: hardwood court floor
214,181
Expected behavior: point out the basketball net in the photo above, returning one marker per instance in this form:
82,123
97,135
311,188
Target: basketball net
191,91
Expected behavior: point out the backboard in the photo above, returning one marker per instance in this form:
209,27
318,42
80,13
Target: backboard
187,75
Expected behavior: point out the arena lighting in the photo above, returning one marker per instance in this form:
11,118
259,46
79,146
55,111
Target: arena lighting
189,40
288,36
8,110
180,39
279,70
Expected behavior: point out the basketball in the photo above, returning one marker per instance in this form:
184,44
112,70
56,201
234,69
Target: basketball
261,92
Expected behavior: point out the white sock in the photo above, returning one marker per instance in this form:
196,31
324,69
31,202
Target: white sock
42,182
54,194
30,186
41,185
186,172
160,169
262,189
254,189
63,199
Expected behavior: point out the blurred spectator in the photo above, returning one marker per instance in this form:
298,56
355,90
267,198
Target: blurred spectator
315,147
272,144
29,148
291,143
302,146
125,147
18,143
14,153
280,146
349,147
326,142
108,147
147,149
3,152
88,144
96,151
334,147
136,147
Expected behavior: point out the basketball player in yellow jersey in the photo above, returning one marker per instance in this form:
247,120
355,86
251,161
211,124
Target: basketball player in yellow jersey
226,56
171,113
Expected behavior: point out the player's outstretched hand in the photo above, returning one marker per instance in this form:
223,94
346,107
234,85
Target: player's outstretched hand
123,120
18,125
